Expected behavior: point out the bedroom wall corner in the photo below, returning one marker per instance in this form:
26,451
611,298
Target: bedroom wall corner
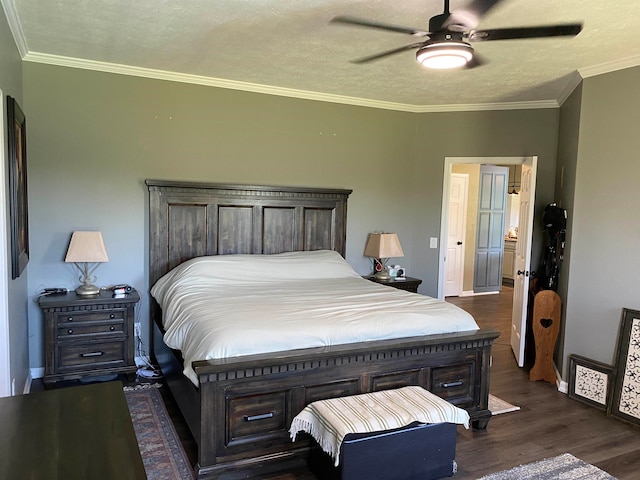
13,299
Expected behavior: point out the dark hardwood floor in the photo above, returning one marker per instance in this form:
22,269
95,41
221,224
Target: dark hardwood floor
548,423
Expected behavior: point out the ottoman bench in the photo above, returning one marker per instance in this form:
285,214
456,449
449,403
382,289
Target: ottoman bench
402,434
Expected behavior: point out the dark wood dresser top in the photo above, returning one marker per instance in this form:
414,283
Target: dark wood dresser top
82,432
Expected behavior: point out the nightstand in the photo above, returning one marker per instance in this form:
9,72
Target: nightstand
409,284
88,335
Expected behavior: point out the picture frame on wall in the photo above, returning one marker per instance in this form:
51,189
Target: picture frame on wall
18,198
625,403
590,382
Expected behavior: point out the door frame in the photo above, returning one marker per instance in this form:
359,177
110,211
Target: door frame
446,186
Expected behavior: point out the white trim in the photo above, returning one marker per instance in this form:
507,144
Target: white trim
575,80
609,67
5,347
15,26
27,384
563,387
72,62
471,293
36,372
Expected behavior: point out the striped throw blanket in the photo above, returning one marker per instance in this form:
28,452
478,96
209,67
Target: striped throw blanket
328,421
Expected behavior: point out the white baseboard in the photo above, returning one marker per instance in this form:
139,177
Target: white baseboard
37,372
563,387
471,293
27,384
142,361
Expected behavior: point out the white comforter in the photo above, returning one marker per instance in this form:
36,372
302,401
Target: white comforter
231,305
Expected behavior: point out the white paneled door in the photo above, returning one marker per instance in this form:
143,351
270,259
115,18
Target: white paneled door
522,261
454,260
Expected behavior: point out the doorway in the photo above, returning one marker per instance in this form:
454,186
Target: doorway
523,254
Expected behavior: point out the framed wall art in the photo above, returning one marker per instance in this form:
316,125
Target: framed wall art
625,403
590,382
18,199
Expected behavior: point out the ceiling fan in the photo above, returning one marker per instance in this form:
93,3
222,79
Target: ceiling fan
450,33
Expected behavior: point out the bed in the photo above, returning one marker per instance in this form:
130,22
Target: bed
239,401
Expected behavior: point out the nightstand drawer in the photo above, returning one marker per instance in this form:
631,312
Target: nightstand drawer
90,355
89,316
111,328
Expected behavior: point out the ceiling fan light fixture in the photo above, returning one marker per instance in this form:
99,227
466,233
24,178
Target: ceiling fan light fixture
444,55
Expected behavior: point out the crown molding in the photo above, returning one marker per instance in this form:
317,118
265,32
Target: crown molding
15,26
573,83
210,81
270,90
609,67
478,107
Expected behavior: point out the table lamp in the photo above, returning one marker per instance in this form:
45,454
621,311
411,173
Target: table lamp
86,251
382,246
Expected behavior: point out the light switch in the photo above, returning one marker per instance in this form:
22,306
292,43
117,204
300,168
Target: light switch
433,242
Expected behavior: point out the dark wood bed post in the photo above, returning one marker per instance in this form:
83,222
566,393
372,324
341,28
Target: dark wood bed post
240,413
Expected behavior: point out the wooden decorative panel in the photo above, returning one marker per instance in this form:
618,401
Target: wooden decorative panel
318,224
187,222
235,225
279,230
626,394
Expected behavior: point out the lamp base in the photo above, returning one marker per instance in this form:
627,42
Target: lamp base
382,275
87,289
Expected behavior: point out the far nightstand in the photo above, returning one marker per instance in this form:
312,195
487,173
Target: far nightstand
88,335
409,284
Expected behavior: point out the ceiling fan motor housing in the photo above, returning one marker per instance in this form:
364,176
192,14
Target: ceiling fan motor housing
446,50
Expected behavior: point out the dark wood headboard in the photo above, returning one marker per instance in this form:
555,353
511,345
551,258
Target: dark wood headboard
188,220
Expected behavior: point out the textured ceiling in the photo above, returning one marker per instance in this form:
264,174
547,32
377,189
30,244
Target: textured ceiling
290,48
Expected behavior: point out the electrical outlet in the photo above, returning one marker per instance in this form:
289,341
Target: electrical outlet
433,242
137,329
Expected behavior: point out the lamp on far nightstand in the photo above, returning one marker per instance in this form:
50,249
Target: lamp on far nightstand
86,251
382,246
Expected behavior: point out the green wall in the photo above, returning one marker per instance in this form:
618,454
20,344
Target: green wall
604,269
511,133
15,304
95,137
566,166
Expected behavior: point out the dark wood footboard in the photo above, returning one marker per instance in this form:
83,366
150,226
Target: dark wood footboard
242,410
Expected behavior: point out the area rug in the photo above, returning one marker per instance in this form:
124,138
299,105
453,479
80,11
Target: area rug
562,467
162,453
498,406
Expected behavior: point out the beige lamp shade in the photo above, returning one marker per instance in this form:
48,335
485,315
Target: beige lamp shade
86,251
86,247
383,245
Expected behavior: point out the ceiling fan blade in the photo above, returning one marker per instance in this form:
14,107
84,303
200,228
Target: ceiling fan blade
380,55
470,16
481,7
381,26
570,29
